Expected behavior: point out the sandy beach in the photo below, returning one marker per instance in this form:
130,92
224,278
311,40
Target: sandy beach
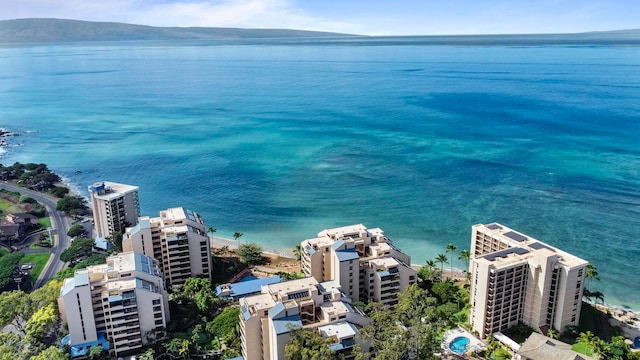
233,244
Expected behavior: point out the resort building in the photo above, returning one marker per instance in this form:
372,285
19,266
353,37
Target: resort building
115,207
114,304
363,261
516,278
266,319
177,239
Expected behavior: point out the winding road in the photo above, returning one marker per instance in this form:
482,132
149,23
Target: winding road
60,225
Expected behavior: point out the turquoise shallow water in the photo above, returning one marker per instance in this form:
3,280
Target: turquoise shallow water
280,142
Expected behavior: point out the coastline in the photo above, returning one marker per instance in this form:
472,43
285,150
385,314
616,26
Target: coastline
620,316
219,242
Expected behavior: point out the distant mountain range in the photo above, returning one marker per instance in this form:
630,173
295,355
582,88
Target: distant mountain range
38,31
61,30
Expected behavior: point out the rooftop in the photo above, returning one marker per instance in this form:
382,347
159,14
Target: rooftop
517,240
338,330
344,230
110,190
540,347
245,288
292,286
384,262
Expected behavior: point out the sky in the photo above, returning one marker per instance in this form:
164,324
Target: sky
366,17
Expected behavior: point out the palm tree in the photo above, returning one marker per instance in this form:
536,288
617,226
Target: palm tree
452,249
598,295
586,293
442,259
587,338
553,334
237,236
431,263
297,252
466,256
592,273
211,230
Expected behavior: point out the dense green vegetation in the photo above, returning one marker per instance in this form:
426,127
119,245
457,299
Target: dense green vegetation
205,323
36,176
34,315
72,205
76,230
8,263
78,250
251,253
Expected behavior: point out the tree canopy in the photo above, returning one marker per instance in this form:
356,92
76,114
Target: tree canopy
72,204
76,230
308,345
78,249
8,264
250,253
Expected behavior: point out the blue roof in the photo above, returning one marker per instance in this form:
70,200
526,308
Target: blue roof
244,288
347,255
286,324
338,244
245,312
310,249
143,263
102,243
237,358
80,278
83,349
277,310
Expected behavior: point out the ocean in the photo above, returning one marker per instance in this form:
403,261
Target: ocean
280,141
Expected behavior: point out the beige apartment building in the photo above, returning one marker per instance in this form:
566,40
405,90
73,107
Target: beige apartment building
177,239
115,207
363,261
267,319
516,278
114,304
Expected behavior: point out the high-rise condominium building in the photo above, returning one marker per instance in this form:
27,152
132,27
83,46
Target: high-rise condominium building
516,278
114,304
266,320
178,239
115,207
363,261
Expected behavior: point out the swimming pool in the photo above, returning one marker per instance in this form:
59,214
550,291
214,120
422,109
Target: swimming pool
459,344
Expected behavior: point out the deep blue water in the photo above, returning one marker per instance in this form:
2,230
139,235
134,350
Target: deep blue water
282,141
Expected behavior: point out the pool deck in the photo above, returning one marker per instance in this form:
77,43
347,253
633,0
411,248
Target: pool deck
475,344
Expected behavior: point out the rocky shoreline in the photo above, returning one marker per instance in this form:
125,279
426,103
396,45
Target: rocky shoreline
4,139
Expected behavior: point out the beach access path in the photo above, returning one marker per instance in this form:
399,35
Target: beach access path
60,224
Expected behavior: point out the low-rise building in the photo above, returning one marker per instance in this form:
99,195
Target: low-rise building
266,319
540,347
363,261
178,239
516,278
118,302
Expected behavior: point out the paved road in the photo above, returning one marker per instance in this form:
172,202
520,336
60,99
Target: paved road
60,225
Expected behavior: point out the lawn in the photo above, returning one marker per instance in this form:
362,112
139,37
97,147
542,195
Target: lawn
45,222
40,260
582,348
7,207
3,251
